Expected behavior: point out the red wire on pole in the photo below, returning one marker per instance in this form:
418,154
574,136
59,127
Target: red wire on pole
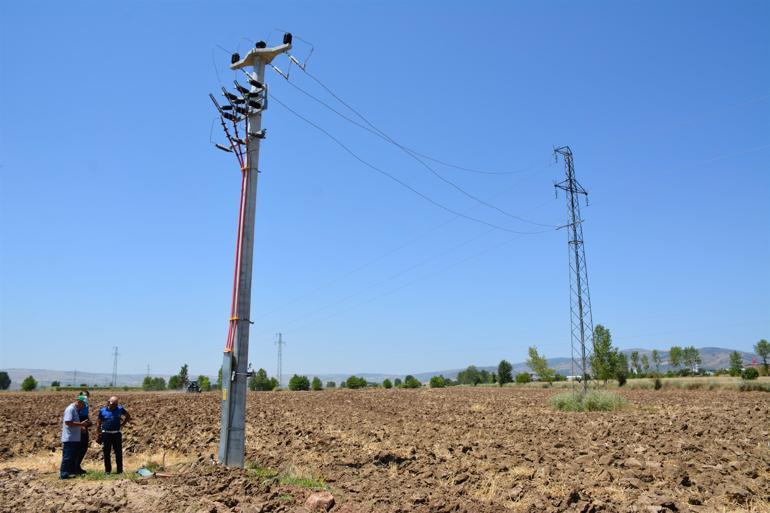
236,272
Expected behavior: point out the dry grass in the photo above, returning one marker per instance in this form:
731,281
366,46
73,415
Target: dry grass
50,462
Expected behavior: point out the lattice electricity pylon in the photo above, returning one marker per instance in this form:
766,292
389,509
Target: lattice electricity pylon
581,318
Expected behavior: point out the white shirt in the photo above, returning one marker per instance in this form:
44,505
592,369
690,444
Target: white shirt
70,433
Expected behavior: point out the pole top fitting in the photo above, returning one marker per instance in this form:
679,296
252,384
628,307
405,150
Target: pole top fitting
265,55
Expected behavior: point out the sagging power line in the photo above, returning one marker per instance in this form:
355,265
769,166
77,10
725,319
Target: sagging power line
398,180
373,129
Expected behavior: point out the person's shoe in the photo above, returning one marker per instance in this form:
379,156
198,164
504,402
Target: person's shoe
81,471
65,475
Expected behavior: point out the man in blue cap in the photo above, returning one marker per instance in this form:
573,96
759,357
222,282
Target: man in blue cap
108,423
70,438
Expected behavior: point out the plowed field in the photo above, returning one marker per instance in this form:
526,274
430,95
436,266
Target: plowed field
446,450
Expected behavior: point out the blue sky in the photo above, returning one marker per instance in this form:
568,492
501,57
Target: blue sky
118,215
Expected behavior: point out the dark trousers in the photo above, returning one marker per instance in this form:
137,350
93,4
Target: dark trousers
83,449
112,441
69,456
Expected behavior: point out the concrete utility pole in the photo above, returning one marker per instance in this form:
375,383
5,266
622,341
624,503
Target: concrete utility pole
280,344
244,106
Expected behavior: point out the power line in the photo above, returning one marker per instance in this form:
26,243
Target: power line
415,156
389,278
393,276
415,280
401,246
384,137
397,180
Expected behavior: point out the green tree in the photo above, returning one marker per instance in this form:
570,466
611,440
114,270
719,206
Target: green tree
55,383
470,376
158,383
750,373
398,383
657,360
412,382
604,357
299,383
5,380
523,377
146,383
354,382
539,365
675,357
29,384
274,383
174,383
331,384
316,384
762,348
645,364
691,358
736,363
260,382
504,372
205,383
219,378
437,382
184,379
635,362
621,368
386,383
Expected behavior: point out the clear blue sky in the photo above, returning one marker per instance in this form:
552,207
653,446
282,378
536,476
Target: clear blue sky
118,215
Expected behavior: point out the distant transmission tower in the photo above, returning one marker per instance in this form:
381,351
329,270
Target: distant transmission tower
280,343
115,366
581,318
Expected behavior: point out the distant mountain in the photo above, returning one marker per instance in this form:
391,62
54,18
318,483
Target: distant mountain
44,378
712,358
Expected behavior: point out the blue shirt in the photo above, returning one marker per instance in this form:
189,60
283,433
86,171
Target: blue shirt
111,418
70,433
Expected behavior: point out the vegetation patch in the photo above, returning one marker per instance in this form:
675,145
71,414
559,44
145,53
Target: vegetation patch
288,477
99,475
594,400
753,386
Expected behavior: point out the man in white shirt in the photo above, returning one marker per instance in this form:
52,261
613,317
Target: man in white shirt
70,438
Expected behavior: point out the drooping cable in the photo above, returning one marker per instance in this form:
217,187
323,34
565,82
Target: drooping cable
329,283
415,156
387,137
376,132
397,180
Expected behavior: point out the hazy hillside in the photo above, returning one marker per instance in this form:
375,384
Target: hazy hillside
713,358
44,378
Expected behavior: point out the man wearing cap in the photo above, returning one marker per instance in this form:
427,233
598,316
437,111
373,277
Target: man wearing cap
70,438
108,423
84,439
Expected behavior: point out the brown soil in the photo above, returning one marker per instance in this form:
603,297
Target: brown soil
450,450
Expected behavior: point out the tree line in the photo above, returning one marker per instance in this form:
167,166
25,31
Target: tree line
606,362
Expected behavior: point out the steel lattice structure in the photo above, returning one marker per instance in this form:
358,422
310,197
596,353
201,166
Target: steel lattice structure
581,318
